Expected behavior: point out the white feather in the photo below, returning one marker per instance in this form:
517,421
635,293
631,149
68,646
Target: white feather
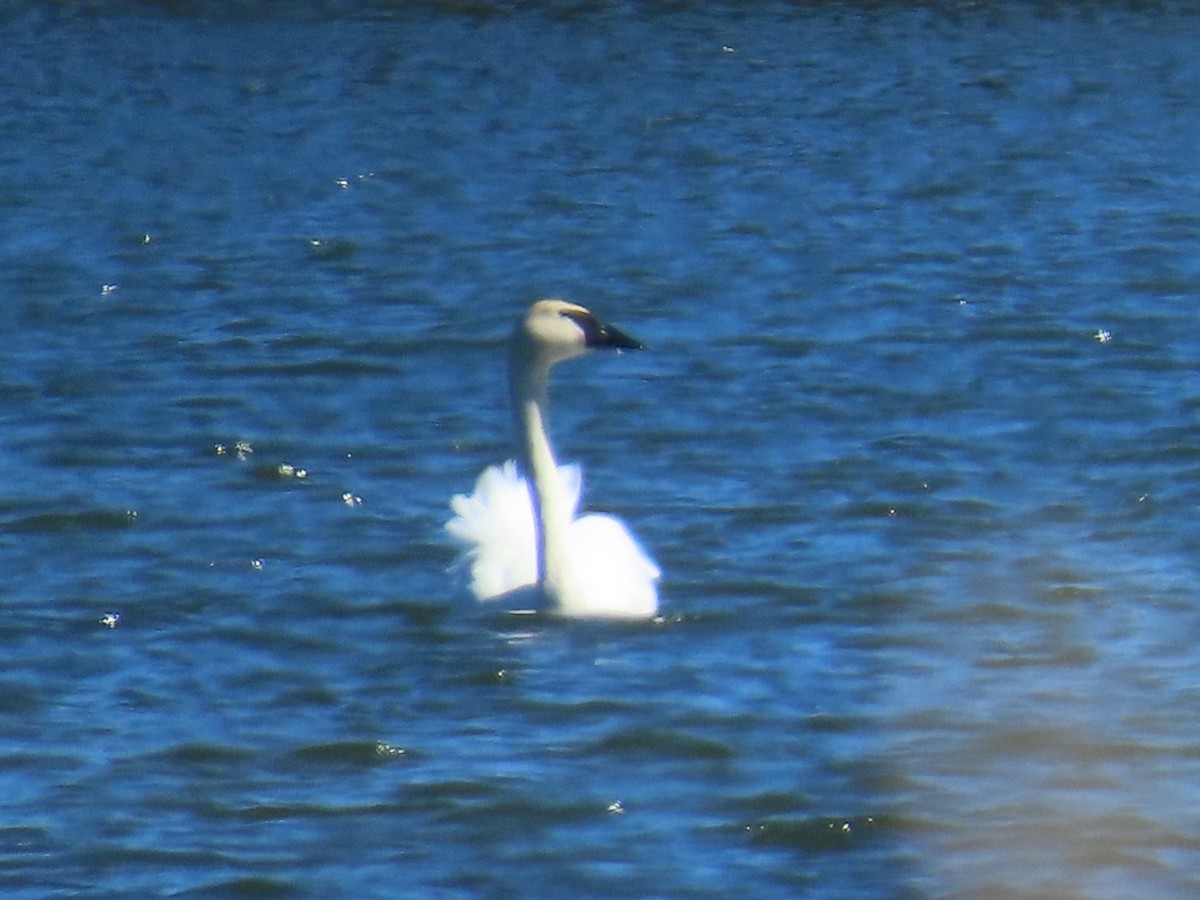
611,575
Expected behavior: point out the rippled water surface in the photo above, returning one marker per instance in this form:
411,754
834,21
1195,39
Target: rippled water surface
915,444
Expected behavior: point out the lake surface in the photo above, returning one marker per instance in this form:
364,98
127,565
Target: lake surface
915,442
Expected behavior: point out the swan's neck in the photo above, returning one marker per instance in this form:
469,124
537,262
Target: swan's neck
551,511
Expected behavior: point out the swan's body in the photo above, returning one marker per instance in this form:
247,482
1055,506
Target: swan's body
519,530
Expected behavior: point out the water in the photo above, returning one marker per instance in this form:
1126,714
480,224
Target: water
915,444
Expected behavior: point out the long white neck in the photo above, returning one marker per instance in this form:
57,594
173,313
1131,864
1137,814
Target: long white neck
551,511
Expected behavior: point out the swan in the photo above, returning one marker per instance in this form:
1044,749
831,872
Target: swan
518,530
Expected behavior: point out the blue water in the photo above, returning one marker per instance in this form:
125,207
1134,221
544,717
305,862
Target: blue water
915,443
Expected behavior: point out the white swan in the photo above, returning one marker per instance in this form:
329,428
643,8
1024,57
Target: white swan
520,537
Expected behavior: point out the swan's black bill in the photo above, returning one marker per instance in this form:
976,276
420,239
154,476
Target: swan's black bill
612,338
602,336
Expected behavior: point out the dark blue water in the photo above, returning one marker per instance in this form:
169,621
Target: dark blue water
916,444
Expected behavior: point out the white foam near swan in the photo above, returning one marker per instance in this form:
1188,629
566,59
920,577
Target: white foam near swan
519,531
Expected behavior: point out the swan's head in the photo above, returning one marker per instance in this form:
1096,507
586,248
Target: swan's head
555,330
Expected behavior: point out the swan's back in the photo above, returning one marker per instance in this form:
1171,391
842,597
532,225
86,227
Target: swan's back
610,574
494,528
613,575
